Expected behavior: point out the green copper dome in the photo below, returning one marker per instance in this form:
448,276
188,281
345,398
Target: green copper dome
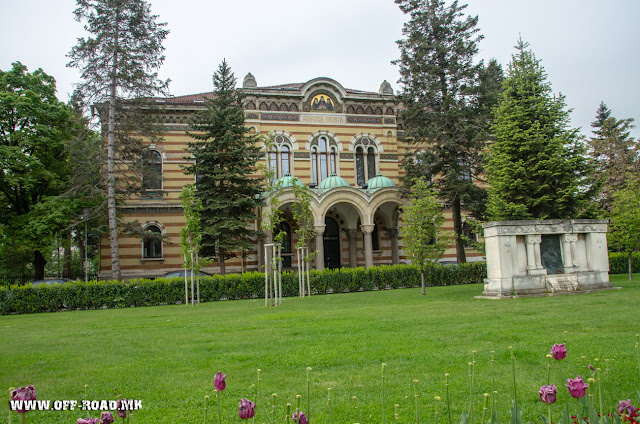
287,181
379,182
332,182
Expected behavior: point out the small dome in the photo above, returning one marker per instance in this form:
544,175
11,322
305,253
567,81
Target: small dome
385,88
287,181
332,182
379,181
249,81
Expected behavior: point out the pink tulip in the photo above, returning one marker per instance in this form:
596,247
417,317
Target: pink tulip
558,351
106,418
23,393
625,407
303,419
548,393
246,409
577,387
121,409
87,421
218,381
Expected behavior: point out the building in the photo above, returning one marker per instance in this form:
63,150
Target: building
342,143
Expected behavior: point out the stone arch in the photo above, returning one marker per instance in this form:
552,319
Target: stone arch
346,195
356,138
329,134
292,139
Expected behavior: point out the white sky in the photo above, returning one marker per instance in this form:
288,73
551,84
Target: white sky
590,48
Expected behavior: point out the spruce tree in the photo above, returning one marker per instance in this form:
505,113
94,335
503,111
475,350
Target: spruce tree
118,62
536,167
442,114
614,154
225,158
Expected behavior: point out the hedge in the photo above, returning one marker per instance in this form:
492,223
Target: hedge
619,262
160,291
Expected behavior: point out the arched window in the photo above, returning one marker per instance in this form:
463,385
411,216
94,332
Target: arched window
366,156
333,161
314,165
152,243
324,158
280,156
152,171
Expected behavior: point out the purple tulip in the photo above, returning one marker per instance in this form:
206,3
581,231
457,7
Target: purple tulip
87,421
548,393
577,387
218,381
625,407
121,409
559,352
246,409
303,418
106,418
23,393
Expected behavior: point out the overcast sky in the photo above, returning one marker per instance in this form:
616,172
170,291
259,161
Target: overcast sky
590,48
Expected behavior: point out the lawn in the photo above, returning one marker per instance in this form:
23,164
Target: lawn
166,356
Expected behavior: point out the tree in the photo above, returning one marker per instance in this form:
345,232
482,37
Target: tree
624,230
34,127
614,154
424,238
536,168
118,63
225,158
441,115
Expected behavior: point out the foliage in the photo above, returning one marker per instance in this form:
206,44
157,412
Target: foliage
614,154
536,169
445,113
34,130
160,291
619,262
118,63
624,231
424,238
303,216
225,158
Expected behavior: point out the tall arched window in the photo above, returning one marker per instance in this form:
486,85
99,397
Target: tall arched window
366,156
152,243
314,165
152,171
324,158
280,156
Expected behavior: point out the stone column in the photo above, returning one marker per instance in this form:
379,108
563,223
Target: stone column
368,244
395,252
353,252
534,261
319,230
567,256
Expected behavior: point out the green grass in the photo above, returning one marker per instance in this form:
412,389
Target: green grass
167,356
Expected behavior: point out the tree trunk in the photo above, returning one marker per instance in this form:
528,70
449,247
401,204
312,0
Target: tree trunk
223,269
111,178
66,269
38,264
422,278
457,228
630,266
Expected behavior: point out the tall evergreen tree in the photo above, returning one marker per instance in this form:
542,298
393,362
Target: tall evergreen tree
536,168
225,158
439,82
615,154
118,62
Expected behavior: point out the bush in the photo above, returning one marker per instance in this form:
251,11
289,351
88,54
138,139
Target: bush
619,262
160,291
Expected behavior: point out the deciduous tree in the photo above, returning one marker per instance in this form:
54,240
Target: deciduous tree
119,62
624,231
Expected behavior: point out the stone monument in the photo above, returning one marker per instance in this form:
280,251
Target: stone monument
545,257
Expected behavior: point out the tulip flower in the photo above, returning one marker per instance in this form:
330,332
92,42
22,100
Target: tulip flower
218,381
577,387
23,393
548,393
625,407
246,409
106,418
87,421
301,419
121,409
559,352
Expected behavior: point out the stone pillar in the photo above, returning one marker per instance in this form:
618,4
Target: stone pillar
534,260
368,244
395,252
567,255
319,230
353,252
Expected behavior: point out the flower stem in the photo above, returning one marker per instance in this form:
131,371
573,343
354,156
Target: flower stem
396,415
513,371
549,416
471,392
355,401
329,403
206,408
288,416
308,395
219,413
448,400
484,407
416,395
383,412
437,409
298,408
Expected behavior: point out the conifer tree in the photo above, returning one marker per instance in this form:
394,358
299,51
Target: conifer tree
536,168
118,62
225,158
441,114
614,154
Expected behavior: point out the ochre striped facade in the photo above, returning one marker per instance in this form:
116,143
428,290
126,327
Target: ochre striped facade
320,128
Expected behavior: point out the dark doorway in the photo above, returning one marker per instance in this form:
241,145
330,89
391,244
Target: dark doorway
331,244
286,245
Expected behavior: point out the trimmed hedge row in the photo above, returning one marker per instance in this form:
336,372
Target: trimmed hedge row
619,263
146,292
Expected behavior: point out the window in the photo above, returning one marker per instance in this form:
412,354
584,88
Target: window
365,161
464,173
152,243
152,171
324,159
280,156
